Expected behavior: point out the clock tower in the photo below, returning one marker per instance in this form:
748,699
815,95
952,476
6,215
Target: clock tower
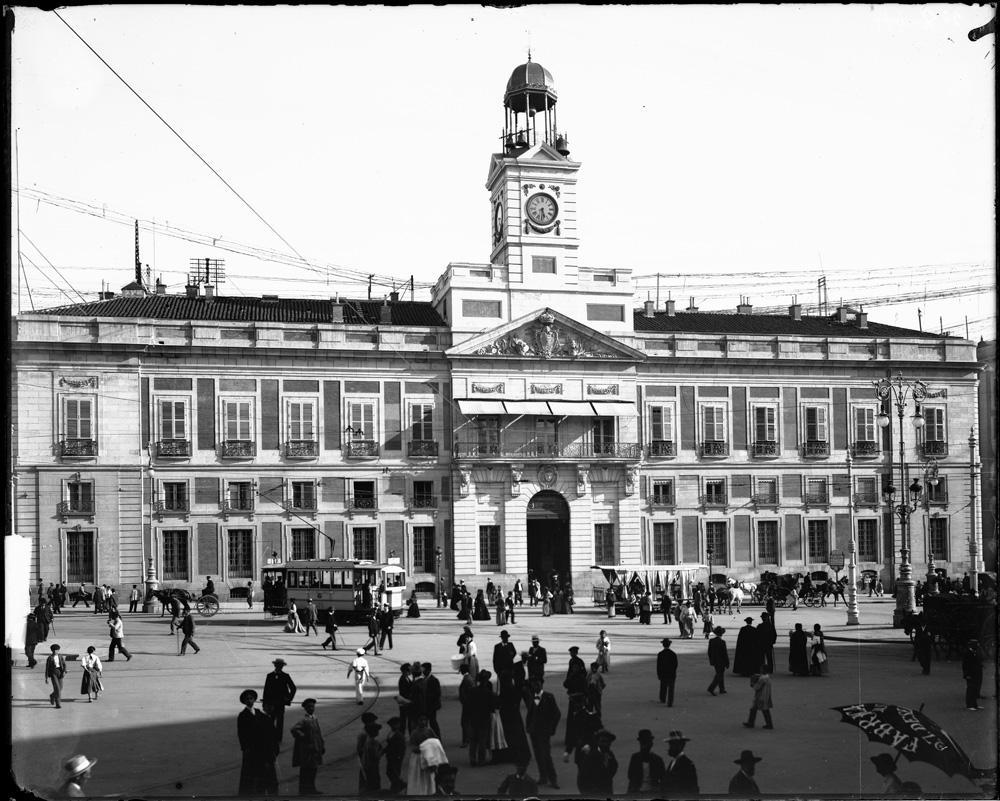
532,186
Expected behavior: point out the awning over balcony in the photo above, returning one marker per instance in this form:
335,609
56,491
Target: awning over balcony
613,408
469,407
571,409
527,407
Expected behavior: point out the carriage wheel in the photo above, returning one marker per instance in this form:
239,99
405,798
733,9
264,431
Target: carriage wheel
208,605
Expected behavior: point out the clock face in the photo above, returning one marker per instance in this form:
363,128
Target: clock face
497,218
542,209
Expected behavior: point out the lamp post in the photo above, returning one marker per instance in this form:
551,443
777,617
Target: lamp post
711,588
974,544
853,618
151,582
932,480
438,591
899,390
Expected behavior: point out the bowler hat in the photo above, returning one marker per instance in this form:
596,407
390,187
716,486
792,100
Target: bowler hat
884,761
666,641
504,634
248,695
718,631
574,648
76,765
748,620
644,734
604,733
747,756
534,638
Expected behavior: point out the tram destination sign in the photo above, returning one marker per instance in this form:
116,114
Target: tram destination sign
836,560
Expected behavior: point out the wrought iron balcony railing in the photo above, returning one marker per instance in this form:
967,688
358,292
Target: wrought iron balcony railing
932,449
424,502
78,448
714,499
545,450
361,448
300,504
237,449
661,449
662,500
173,448
714,447
76,508
178,505
866,499
817,499
364,503
422,447
864,448
816,449
937,498
301,449
764,448
237,505
766,499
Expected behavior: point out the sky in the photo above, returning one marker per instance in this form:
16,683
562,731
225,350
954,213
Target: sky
733,150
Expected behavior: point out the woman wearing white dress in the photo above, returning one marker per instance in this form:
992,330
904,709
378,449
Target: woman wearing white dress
472,655
294,624
426,756
604,651
547,603
92,669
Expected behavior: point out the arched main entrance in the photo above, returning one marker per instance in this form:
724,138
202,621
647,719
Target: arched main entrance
548,537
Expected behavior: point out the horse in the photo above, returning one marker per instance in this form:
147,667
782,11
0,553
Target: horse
183,596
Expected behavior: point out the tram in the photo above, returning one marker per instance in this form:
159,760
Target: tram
351,587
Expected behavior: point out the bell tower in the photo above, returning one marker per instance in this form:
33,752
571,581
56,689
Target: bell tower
532,187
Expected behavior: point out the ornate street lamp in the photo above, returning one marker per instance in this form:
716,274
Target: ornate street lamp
439,592
899,390
853,611
931,477
711,588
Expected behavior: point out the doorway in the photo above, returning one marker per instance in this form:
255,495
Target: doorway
548,538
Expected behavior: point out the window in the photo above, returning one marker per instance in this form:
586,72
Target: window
816,490
303,495
603,278
818,540
240,553
937,535
301,421
663,492
864,424
488,435
716,539
80,557
239,495
303,543
363,496
715,492
175,496
867,490
78,419
604,543
481,308
238,420
423,549
543,264
480,274
938,493
421,421
544,437
664,544
767,491
175,555
868,540
605,312
713,430
489,548
661,430
173,419
603,431
764,426
815,417
361,420
80,496
767,542
423,495
364,543
934,424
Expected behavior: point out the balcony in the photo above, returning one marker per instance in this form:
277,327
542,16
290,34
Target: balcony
78,448
816,449
866,449
300,504
423,502
301,449
768,499
662,501
866,499
362,503
816,499
173,449
239,506
83,508
175,506
237,449
714,448
422,448
662,449
628,451
714,500
361,449
764,449
933,449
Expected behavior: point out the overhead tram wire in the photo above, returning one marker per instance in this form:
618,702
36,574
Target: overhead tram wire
49,278
49,262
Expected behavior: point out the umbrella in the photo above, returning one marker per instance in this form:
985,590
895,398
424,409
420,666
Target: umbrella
911,733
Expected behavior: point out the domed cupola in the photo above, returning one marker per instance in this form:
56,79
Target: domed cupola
531,93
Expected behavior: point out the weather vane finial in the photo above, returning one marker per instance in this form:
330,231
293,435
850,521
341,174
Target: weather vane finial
529,52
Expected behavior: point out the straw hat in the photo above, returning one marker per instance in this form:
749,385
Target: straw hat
76,765
747,756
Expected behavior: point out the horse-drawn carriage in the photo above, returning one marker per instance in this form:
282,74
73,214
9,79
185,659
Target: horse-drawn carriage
629,581
206,605
952,620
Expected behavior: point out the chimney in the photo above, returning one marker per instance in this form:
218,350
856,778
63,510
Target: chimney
795,311
744,307
862,319
105,295
842,314
671,308
191,290
692,307
209,293
161,288
385,314
336,312
393,297
649,309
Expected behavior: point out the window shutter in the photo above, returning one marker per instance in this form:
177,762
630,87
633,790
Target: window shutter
446,488
689,539
270,539
688,491
791,485
842,532
643,487
740,486
206,414
840,433
739,418
741,538
331,415
790,434
841,486
688,420
269,434
206,490
208,548
271,492
397,484
394,539
144,411
335,531
793,537
393,438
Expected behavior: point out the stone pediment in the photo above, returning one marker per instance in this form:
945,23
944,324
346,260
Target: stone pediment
543,154
546,334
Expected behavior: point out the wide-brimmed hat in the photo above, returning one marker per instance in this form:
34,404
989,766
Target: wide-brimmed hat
746,755
76,765
884,761
368,717
360,652
279,661
248,695
574,648
309,701
666,641
677,736
644,734
604,733
748,620
718,631
534,637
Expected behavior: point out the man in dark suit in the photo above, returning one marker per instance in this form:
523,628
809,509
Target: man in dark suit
645,769
432,697
680,778
537,657
503,654
279,690
576,673
259,744
718,658
373,632
309,617
767,636
385,623
541,722
55,670
743,783
666,672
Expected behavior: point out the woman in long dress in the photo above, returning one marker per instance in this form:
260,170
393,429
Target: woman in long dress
510,718
547,602
92,669
798,659
604,651
419,775
294,624
480,611
471,654
818,658
501,609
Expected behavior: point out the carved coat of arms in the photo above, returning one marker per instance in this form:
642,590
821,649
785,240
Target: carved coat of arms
546,337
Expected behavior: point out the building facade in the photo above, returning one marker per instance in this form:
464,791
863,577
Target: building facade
526,418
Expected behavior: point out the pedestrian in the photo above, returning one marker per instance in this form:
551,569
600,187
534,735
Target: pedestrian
582,723
481,702
645,608
370,774
44,617
279,692
209,586
680,778
503,654
310,616
972,672
471,652
518,593
187,629
465,687
532,593
133,599
769,607
480,609
90,682
685,621
595,686
294,624
175,613
509,604
597,766
546,602
743,783
116,628
373,632
570,599
604,651
766,637
818,660
307,754
490,590
666,672
509,706
760,683
432,697
98,598
645,769
250,594
707,622
885,766
519,784
609,601
718,658
256,735
537,659
427,758
331,631
793,596
879,590
385,624
521,674
413,608
418,695
112,599
747,656
798,661
359,667
922,645
576,672
395,751
666,605
76,771
81,595
541,722
32,636
55,671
